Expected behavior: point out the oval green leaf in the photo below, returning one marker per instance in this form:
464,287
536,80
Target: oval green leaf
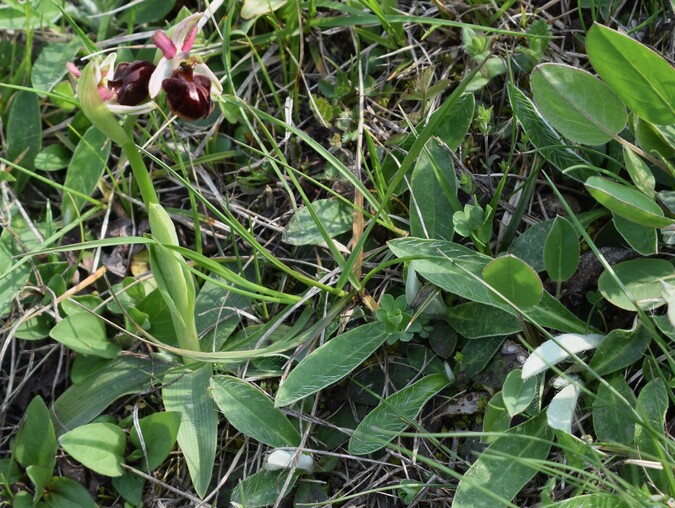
578,104
627,202
561,250
518,393
515,280
485,485
252,412
24,134
35,442
476,321
613,419
392,415
84,333
643,280
620,349
642,239
187,393
98,446
331,362
643,79
159,431
308,226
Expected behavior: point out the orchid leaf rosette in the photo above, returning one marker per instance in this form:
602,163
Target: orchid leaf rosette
189,84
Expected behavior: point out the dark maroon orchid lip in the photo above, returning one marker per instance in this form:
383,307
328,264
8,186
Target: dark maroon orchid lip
130,82
188,95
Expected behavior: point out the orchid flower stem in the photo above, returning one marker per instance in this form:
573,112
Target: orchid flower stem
141,173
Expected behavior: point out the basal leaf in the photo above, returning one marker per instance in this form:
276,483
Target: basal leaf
334,216
35,442
515,280
642,278
159,432
187,393
578,104
620,349
652,405
561,250
476,321
613,419
98,446
642,239
83,402
50,65
392,415
263,488
642,78
24,134
627,202
252,412
518,393
85,333
485,485
331,362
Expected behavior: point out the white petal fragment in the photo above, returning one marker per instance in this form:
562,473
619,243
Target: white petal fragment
561,409
555,351
283,459
139,109
161,72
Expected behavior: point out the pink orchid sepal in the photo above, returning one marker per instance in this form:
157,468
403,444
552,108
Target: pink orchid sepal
189,84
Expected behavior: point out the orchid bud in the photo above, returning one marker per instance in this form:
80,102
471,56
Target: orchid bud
130,82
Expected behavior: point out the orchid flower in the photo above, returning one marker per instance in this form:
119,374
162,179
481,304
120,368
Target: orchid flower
189,84
123,90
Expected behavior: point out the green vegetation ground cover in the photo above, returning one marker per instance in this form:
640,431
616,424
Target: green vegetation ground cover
386,254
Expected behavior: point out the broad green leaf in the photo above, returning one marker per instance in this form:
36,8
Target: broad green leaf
546,140
530,245
84,171
476,354
613,419
159,432
515,280
331,362
263,488
518,393
24,134
642,278
560,410
620,349
642,78
456,122
652,405
393,415
642,239
557,350
39,476
81,403
98,446
254,8
561,250
485,485
85,333
53,158
496,418
639,172
457,269
36,441
578,104
433,196
187,393
252,412
130,486
652,139
601,500
50,65
477,320
67,493
627,202
335,217
217,314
